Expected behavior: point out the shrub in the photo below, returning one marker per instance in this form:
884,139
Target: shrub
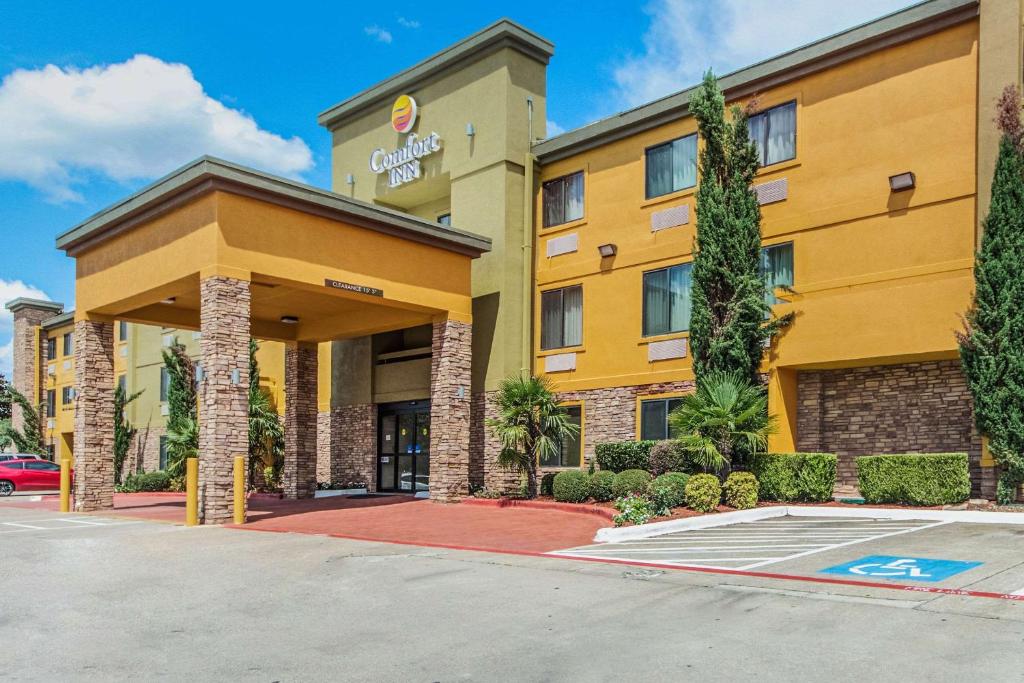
571,486
146,481
546,483
914,479
624,455
667,456
703,492
668,491
795,477
602,485
741,490
631,481
633,510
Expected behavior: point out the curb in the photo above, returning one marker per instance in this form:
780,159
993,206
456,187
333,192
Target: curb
541,505
617,535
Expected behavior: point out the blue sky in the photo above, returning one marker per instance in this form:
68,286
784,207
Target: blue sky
99,98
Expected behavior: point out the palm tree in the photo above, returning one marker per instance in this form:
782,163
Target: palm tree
726,417
530,425
266,433
182,444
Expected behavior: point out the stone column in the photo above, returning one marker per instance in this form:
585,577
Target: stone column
94,415
450,410
28,356
300,420
224,402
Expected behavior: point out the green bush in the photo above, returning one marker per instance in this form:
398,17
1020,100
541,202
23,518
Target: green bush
668,491
667,456
914,479
624,455
703,492
571,486
795,477
546,483
633,510
602,485
631,481
146,481
741,490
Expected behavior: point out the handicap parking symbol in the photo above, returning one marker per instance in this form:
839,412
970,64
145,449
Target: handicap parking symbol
901,568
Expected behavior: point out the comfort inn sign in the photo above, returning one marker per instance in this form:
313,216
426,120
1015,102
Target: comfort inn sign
403,164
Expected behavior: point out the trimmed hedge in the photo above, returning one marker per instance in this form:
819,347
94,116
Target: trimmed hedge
667,456
741,490
795,477
546,482
668,490
571,486
914,479
146,481
602,485
631,481
624,455
703,492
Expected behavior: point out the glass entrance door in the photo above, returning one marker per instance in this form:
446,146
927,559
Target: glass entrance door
403,459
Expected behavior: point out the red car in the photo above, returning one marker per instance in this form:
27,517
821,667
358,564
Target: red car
29,475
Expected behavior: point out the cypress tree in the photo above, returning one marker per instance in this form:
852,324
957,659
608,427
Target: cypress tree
182,422
729,322
124,432
992,342
30,438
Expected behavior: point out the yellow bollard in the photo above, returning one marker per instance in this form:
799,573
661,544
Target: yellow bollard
192,492
65,485
239,489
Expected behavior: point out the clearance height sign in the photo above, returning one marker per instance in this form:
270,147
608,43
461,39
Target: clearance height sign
403,164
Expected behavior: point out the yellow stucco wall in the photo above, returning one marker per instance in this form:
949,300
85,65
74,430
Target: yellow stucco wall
881,277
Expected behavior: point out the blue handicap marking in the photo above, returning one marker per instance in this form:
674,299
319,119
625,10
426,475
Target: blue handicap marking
901,568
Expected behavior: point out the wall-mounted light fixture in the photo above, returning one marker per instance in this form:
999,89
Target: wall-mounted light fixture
350,179
199,373
902,181
607,250
289,319
470,131
236,376
168,301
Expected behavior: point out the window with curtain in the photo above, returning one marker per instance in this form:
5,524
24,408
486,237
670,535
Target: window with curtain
165,383
163,453
667,300
777,269
51,403
122,330
774,132
671,166
69,343
563,199
561,317
51,348
569,450
66,395
654,417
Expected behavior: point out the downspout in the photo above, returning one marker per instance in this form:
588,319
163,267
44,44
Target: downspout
528,201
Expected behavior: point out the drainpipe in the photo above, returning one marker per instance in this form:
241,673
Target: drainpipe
528,200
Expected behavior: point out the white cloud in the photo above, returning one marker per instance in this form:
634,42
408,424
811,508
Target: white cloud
136,119
553,128
408,23
381,34
686,37
12,289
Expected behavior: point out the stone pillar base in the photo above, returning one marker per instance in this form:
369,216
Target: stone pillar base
94,416
450,410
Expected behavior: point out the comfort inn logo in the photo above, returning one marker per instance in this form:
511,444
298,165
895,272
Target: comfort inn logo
402,165
403,114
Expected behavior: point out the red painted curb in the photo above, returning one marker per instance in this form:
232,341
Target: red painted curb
540,505
151,494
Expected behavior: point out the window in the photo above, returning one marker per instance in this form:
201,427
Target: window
51,348
774,132
563,199
67,394
569,451
42,465
51,453
69,343
777,269
667,300
445,219
654,417
13,465
561,318
122,330
671,166
165,383
122,382
51,403
163,452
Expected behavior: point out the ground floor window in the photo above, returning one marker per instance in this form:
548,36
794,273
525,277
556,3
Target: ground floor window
654,417
163,452
570,450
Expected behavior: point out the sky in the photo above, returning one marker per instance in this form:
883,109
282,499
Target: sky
99,98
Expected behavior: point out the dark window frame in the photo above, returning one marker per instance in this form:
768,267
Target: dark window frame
762,148
670,403
562,180
51,403
67,395
560,456
68,347
561,330
51,348
643,299
647,167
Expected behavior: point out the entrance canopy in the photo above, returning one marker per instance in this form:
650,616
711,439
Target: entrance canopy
321,266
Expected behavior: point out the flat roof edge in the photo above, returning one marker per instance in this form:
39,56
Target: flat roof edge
907,24
28,302
502,33
58,320
208,174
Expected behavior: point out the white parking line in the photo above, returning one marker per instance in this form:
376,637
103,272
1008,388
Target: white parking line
60,524
27,526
